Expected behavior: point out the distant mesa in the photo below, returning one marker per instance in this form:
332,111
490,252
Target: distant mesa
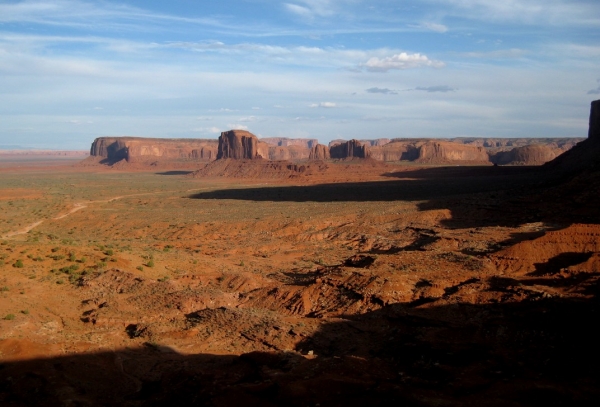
243,145
447,152
349,149
535,154
287,142
111,150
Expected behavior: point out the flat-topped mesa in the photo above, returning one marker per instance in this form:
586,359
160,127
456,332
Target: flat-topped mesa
140,149
534,154
445,151
594,130
319,152
349,149
287,142
240,145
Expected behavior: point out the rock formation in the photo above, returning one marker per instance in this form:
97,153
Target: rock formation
396,151
291,152
319,152
594,129
307,143
139,149
534,154
239,144
440,152
349,149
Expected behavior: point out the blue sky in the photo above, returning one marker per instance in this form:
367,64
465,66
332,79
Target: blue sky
74,70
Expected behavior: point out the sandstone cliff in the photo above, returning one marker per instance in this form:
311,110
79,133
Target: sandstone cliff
594,129
319,152
441,152
307,143
140,149
534,154
396,151
349,149
291,152
368,142
241,144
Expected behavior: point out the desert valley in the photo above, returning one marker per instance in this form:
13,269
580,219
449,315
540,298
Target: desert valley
263,272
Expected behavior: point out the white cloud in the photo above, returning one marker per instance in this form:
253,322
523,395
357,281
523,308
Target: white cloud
299,10
326,105
247,119
498,54
213,130
401,61
438,28
312,8
237,126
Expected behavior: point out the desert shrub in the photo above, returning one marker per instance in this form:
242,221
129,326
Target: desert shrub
150,263
55,249
165,278
140,268
102,264
25,312
5,288
18,264
72,257
109,252
60,281
83,260
9,317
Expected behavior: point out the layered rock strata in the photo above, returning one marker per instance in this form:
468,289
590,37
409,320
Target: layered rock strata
349,149
140,149
240,145
319,152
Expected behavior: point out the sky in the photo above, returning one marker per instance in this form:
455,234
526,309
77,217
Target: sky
73,70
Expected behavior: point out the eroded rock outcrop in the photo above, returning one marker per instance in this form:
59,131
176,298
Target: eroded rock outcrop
319,152
307,143
445,152
396,151
534,154
239,145
349,149
594,129
140,149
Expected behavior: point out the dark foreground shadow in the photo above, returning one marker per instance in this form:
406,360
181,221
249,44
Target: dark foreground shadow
417,185
542,351
476,196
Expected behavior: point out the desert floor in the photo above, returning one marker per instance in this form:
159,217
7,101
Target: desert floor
368,285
